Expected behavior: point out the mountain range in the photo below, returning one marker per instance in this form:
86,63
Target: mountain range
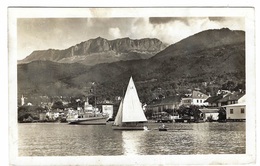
100,50
205,60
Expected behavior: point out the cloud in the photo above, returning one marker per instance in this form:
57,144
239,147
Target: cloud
160,20
163,20
115,32
219,19
234,23
61,33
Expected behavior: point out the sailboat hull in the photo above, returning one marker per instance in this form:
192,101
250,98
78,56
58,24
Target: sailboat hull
163,129
128,127
89,121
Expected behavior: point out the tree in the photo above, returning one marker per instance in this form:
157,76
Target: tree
57,105
192,110
196,112
240,86
222,115
183,111
76,102
148,114
230,85
174,85
169,111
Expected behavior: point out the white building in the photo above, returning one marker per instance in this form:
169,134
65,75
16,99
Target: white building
108,109
197,98
210,114
22,100
236,111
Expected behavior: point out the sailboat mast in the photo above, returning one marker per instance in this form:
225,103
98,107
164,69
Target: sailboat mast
123,91
94,93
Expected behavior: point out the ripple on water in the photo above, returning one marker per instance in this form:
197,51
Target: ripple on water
86,140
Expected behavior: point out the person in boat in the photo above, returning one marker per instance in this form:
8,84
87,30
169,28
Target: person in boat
163,126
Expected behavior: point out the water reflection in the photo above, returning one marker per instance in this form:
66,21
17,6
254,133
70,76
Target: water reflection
131,142
202,135
88,140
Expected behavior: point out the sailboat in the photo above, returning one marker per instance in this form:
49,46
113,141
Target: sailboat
130,115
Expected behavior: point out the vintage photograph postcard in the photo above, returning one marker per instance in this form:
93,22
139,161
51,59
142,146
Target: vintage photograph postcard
131,86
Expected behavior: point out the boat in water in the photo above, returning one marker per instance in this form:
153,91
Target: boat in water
88,116
130,115
163,128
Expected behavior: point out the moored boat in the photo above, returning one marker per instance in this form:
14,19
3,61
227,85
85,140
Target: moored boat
130,115
88,116
163,128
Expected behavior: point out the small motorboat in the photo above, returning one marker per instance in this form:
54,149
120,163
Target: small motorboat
163,128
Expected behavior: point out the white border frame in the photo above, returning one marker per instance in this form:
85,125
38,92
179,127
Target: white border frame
166,160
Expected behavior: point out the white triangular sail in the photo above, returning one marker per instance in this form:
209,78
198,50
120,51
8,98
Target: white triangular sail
132,108
118,119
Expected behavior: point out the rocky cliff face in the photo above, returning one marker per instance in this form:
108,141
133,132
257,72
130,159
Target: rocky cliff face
101,50
123,45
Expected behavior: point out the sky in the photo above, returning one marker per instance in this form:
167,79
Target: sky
61,33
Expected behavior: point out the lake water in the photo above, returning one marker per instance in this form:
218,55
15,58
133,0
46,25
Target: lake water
61,139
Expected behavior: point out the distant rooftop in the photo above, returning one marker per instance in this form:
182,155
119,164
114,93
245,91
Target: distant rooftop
214,99
167,100
232,97
209,110
198,94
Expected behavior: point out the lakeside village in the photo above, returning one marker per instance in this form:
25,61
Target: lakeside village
193,107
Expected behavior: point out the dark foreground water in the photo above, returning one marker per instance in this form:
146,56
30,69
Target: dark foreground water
54,139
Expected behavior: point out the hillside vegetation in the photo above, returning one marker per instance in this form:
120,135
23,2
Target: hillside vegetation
207,60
